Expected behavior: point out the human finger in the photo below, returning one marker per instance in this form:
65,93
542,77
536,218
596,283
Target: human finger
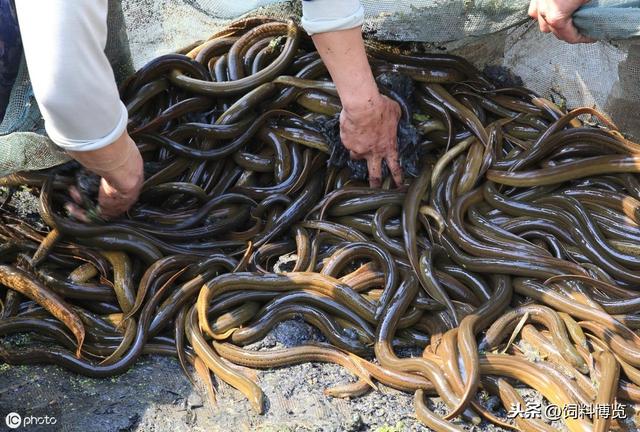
75,194
533,9
567,32
112,202
374,165
111,208
76,212
394,167
543,24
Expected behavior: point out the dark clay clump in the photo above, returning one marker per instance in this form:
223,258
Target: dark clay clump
397,87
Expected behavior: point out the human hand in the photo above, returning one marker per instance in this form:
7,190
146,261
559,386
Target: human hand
554,16
121,167
369,132
369,120
121,188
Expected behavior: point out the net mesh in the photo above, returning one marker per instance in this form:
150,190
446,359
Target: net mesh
487,32
401,20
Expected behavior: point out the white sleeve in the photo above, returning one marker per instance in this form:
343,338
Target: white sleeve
64,42
321,16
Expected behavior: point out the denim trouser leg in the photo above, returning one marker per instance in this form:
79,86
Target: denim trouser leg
10,51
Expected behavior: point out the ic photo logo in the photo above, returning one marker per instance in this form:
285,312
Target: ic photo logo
13,420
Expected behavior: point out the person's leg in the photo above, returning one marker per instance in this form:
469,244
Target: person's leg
10,51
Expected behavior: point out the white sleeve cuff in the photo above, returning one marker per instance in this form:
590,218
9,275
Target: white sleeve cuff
88,145
321,16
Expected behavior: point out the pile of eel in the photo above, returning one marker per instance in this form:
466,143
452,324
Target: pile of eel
511,260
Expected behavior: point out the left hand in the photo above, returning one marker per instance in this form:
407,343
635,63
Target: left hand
554,16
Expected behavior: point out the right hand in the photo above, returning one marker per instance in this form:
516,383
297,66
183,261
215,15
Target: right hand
121,167
369,120
370,132
120,189
555,16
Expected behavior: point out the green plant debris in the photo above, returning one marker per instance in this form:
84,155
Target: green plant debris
418,117
399,427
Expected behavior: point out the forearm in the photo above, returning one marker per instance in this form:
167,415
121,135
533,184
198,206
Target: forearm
336,29
343,53
110,161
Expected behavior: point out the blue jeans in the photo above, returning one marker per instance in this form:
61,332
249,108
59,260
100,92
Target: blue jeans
10,51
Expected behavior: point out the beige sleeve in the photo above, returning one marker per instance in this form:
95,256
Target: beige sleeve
74,85
321,16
